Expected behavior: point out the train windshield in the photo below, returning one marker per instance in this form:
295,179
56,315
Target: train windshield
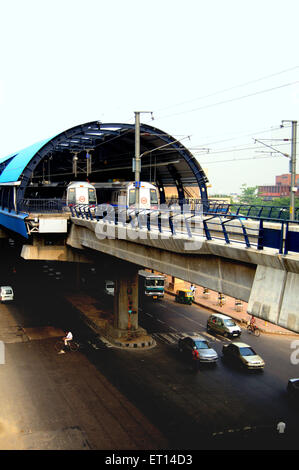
132,197
154,197
154,282
71,196
92,196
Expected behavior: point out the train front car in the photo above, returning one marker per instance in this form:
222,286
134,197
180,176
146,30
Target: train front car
148,196
81,192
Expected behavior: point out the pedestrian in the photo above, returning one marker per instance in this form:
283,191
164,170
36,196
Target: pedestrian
193,290
195,358
281,426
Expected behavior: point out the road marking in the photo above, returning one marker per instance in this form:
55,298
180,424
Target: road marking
148,314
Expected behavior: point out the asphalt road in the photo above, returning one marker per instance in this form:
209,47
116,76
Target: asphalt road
217,407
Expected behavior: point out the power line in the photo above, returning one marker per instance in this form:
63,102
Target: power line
231,100
230,88
238,159
235,149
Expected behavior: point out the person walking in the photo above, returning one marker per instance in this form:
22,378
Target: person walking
195,359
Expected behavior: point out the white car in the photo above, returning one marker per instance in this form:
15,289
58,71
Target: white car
109,287
6,293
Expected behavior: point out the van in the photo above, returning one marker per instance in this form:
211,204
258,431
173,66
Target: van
223,325
109,287
6,293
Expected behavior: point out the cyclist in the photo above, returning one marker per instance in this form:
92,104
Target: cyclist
66,339
252,323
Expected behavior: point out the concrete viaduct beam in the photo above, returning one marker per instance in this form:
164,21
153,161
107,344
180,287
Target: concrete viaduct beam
269,282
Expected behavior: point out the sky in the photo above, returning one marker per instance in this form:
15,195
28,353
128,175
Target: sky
219,75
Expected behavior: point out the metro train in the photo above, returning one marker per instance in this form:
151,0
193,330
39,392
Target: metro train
113,193
80,192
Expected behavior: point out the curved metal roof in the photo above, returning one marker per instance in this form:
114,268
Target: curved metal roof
14,164
112,147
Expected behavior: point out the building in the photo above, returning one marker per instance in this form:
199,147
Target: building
281,188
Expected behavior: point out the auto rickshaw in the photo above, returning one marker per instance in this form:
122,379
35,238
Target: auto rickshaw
184,296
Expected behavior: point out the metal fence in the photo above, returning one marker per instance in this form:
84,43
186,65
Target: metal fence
42,205
281,235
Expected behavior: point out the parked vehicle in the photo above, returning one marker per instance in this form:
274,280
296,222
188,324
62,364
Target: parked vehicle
223,325
6,293
184,296
206,353
242,354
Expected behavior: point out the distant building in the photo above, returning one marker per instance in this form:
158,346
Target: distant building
281,188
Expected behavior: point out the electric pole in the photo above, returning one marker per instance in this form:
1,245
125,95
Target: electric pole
137,161
293,169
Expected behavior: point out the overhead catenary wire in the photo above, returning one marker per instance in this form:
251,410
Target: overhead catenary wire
231,100
230,88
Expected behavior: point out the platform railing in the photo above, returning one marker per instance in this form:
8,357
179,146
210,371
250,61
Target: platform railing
276,233
40,206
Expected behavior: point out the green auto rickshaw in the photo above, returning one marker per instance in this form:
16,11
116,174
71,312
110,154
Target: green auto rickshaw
184,296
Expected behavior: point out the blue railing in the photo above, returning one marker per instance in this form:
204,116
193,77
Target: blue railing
246,210
214,226
219,221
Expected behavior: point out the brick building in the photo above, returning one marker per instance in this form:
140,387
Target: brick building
281,188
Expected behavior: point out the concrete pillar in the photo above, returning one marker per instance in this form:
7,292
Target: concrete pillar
267,293
125,330
126,301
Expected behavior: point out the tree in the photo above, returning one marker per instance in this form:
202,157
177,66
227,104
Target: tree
249,195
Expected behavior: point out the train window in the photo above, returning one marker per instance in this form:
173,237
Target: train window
92,196
154,198
132,197
71,196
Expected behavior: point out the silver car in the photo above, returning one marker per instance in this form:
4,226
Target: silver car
206,353
223,325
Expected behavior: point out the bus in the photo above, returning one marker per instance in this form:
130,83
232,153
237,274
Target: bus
151,285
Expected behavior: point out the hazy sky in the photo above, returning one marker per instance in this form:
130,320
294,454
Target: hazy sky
224,72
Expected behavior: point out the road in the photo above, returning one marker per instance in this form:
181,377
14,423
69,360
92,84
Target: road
52,401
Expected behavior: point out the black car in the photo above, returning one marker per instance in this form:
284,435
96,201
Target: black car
293,389
206,353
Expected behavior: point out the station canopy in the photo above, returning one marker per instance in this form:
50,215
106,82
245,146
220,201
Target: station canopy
101,152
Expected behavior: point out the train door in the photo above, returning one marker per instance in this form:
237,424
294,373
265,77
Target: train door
144,202
82,195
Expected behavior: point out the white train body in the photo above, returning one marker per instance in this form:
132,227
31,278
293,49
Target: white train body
126,195
81,192
116,193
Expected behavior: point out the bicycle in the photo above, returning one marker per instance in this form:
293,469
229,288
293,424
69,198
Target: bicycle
71,345
254,330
